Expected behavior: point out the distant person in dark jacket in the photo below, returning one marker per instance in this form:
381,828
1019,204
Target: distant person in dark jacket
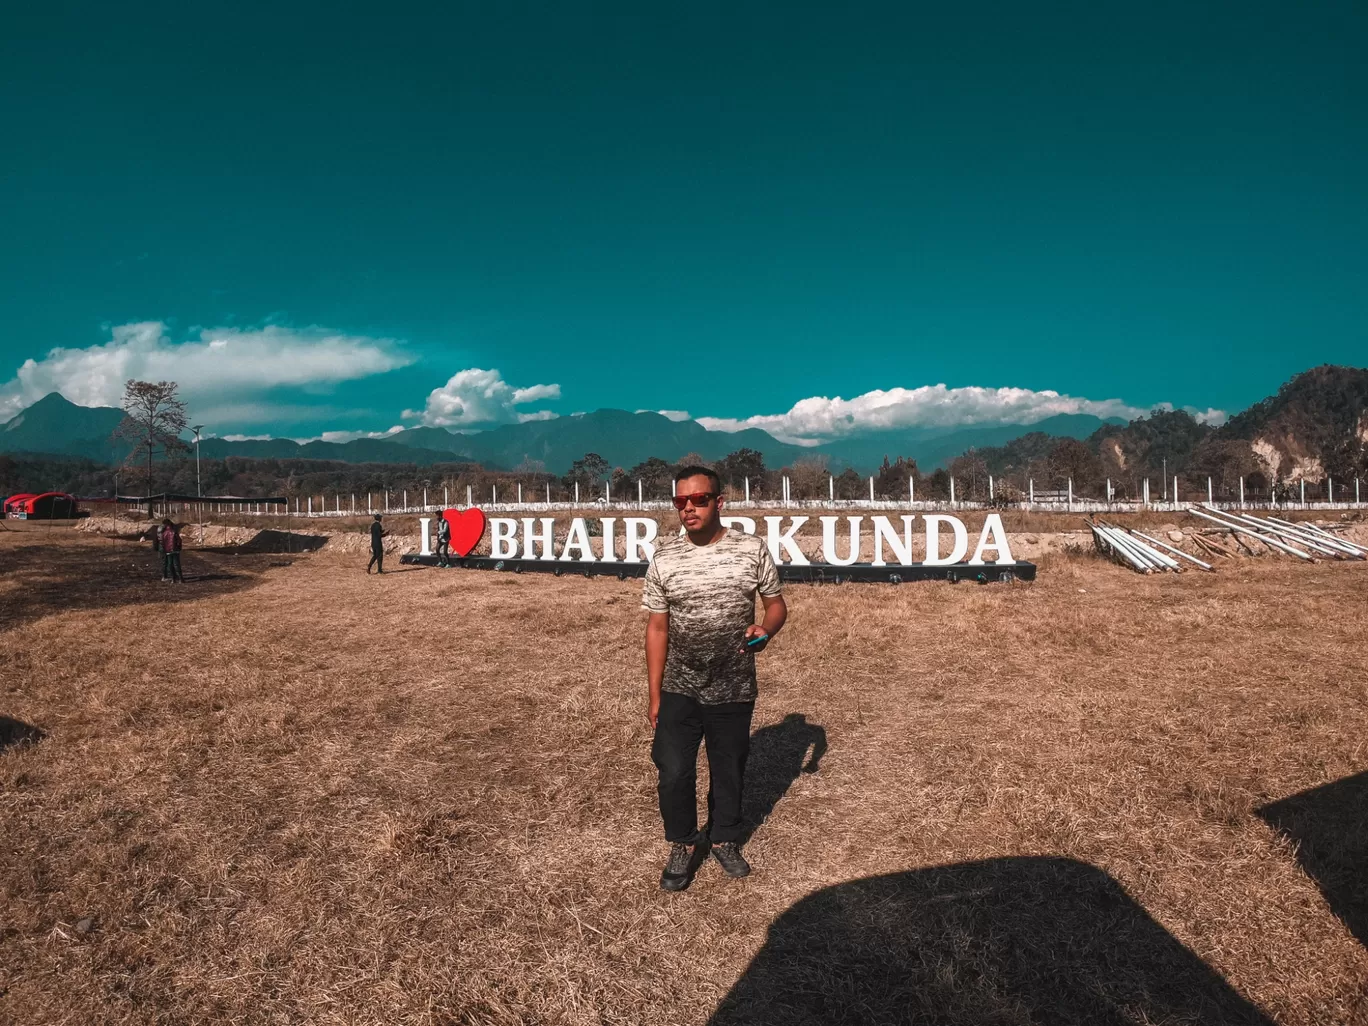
377,559
443,542
171,552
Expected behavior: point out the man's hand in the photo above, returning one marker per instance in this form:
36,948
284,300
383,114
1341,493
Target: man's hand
657,645
755,631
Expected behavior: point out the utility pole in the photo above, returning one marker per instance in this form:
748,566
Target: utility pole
199,488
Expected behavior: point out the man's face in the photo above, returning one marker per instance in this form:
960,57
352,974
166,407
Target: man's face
698,516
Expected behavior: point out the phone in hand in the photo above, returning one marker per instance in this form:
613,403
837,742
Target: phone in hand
759,639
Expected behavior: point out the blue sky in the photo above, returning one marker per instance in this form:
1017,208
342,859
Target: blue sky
323,218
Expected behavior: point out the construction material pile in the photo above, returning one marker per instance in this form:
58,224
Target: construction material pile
1305,541
1140,551
1228,533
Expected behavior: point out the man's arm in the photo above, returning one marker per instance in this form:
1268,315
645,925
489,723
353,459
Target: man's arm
657,644
776,612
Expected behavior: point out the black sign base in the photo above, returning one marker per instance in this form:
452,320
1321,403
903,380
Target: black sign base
816,573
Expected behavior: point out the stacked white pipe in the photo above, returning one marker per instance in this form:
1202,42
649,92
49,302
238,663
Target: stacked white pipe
1141,552
1306,542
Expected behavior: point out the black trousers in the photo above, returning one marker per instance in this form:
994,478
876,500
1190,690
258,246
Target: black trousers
377,560
443,551
725,732
171,566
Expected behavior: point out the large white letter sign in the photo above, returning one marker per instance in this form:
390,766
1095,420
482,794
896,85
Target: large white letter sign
636,542
994,536
530,544
902,547
829,540
503,538
609,545
774,539
578,541
933,522
531,538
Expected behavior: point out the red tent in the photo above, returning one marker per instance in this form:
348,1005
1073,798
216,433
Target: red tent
14,502
47,506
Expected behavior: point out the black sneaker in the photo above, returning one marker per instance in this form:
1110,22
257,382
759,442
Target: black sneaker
728,855
678,869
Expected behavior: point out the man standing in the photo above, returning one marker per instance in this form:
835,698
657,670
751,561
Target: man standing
171,552
701,643
377,534
443,542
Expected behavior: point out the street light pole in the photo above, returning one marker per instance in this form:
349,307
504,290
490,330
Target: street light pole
199,489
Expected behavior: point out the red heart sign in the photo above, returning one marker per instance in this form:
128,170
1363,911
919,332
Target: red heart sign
467,528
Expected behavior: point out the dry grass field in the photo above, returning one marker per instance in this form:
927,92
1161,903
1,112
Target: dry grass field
288,792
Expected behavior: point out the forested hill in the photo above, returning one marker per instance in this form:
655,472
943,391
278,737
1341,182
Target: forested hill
1315,427
1316,423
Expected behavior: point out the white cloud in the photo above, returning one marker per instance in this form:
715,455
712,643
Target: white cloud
351,436
1211,416
218,364
482,397
675,415
535,394
244,438
820,418
248,412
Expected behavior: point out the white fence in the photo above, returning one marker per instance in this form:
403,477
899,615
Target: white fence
1055,502
319,510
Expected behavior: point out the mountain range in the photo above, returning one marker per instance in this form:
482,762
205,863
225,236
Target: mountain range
1315,425
55,426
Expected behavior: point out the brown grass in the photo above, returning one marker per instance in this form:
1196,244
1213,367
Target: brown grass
294,793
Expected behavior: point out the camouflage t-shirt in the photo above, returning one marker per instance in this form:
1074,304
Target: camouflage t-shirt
709,592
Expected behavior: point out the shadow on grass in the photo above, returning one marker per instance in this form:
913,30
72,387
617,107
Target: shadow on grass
14,733
1005,941
61,575
778,754
1329,825
277,542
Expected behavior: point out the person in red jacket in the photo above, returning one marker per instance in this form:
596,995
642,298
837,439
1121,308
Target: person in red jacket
171,552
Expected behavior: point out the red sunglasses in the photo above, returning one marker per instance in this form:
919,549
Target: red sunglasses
699,499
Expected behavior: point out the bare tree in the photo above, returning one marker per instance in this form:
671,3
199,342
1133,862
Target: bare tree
155,418
1071,460
808,477
972,469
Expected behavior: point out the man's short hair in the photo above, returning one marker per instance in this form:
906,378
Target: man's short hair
696,471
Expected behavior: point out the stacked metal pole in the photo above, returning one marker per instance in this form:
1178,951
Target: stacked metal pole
1229,522
1286,536
1107,542
1171,549
1139,555
1326,538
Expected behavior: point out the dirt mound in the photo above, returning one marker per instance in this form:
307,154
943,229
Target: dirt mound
255,539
